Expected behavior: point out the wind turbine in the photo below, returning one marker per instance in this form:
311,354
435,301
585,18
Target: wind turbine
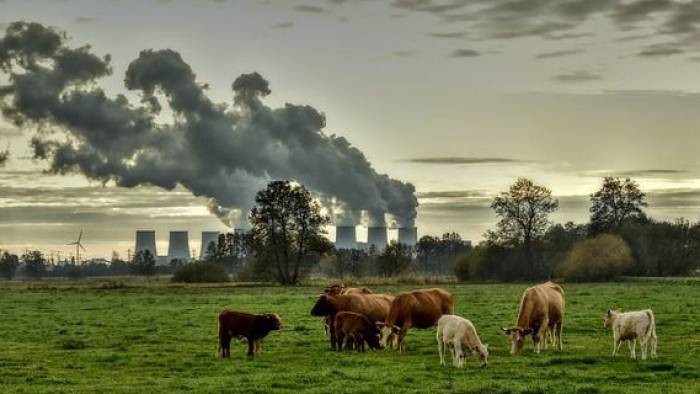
78,246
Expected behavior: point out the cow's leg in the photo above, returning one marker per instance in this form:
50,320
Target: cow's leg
458,354
225,344
643,347
331,328
338,342
441,348
633,347
558,335
251,347
653,345
617,342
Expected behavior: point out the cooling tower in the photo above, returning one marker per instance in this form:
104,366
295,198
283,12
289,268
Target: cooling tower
408,236
377,236
178,246
146,240
207,238
345,237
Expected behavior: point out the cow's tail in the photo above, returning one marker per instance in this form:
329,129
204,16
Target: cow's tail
651,332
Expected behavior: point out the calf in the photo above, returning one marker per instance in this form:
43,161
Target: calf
541,312
355,329
254,328
459,335
340,289
629,326
419,308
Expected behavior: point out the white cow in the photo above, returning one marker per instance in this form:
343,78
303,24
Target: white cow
630,326
459,335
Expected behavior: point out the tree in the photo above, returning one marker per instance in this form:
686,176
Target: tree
427,252
395,259
349,261
615,202
287,230
598,259
143,263
523,212
8,265
34,264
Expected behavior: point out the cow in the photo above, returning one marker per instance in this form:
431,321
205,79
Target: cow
459,335
355,329
630,326
340,289
254,328
374,306
419,308
541,314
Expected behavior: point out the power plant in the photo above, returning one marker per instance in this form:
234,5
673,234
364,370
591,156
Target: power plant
146,240
207,238
179,246
408,236
345,237
377,237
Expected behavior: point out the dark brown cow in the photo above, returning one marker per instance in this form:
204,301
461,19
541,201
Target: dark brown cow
419,308
254,328
355,329
374,306
340,289
541,312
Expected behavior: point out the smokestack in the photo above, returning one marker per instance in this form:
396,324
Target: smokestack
179,246
146,240
207,238
377,236
345,237
408,236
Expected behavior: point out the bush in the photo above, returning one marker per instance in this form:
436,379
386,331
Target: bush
468,267
602,258
201,272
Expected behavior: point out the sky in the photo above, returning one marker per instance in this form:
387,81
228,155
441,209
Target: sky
457,97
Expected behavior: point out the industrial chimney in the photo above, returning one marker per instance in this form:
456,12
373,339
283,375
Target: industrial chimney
377,236
345,237
408,236
178,246
146,240
207,238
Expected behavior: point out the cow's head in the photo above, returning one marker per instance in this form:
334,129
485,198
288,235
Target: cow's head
386,331
272,321
323,307
481,352
609,317
517,335
373,336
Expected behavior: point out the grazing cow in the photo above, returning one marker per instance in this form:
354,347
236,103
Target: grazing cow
459,335
629,326
254,328
374,306
419,308
355,329
340,289
541,310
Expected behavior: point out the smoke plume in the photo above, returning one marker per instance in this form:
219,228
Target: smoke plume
224,152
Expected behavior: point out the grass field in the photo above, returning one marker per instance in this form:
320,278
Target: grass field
163,339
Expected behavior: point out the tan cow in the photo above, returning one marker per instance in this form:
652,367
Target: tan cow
459,336
541,311
419,308
374,306
630,326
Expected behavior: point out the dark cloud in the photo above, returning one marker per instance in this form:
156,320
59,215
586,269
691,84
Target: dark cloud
450,194
462,160
565,52
282,25
577,76
640,10
660,50
222,152
567,36
448,35
309,9
465,53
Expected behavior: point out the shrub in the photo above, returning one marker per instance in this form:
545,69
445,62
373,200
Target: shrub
201,272
468,267
602,258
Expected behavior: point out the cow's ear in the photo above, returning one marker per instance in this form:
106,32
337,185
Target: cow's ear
526,331
379,324
506,331
396,329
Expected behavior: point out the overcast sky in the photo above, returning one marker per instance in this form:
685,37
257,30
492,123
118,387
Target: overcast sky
459,97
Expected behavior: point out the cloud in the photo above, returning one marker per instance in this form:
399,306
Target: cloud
403,53
313,9
641,10
282,25
643,173
550,55
85,19
465,53
567,36
450,194
577,76
457,34
451,160
660,50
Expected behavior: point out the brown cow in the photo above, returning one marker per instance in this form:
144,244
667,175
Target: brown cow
374,306
340,289
355,329
541,312
419,308
254,328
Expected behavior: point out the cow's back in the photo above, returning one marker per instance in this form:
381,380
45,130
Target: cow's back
545,301
422,307
374,306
